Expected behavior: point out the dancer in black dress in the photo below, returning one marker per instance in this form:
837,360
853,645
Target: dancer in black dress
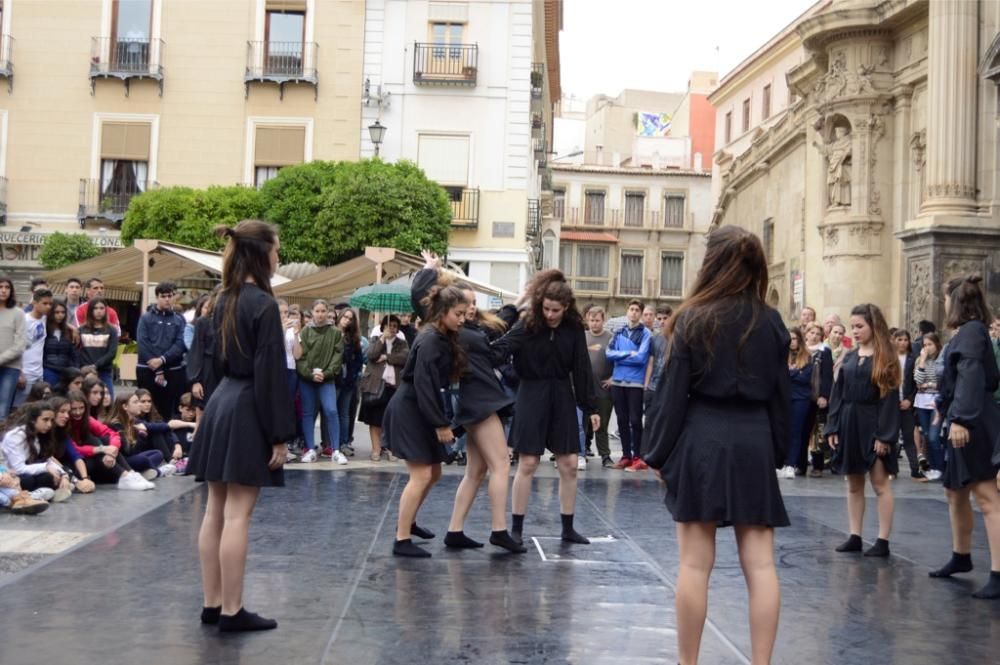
550,356
720,429
415,426
240,443
201,358
863,425
973,421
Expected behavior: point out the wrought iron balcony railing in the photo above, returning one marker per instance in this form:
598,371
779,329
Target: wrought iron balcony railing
445,64
464,207
537,79
613,218
100,200
6,62
126,59
534,218
281,63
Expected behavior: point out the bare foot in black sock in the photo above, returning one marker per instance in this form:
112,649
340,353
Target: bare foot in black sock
959,563
210,615
879,549
421,532
517,528
459,540
852,544
244,621
569,534
992,589
504,540
407,548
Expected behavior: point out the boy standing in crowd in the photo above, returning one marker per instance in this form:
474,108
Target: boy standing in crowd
598,340
657,356
629,352
34,343
161,351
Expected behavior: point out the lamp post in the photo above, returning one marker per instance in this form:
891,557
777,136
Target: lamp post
377,131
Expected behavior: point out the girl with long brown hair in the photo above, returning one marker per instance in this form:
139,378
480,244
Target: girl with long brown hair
416,426
863,425
240,445
721,429
800,373
972,423
550,356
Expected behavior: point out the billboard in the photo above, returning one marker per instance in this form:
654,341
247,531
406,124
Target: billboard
652,124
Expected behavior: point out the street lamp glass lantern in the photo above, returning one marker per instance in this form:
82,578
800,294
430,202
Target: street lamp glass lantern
377,131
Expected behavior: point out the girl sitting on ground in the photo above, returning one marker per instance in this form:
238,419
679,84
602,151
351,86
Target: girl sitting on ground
139,451
23,445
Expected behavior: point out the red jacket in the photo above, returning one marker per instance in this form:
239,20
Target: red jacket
81,316
95,428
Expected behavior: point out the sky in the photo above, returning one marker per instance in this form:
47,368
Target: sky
609,45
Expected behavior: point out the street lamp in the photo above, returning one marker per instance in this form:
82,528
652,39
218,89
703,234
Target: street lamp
377,131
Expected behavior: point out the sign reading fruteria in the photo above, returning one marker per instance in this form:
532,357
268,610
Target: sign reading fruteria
22,249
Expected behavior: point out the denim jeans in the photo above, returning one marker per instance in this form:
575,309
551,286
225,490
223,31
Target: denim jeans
108,379
628,408
21,396
51,376
345,394
583,432
323,395
932,435
8,387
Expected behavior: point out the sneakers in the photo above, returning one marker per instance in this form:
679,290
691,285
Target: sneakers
623,463
42,494
309,456
462,459
788,473
167,469
933,474
589,452
327,452
347,449
815,473
61,494
923,464
636,465
581,463
134,482
339,458
607,463
23,504
150,474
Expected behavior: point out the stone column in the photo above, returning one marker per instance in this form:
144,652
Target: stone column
951,107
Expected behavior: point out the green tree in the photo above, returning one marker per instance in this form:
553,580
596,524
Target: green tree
63,249
330,212
187,216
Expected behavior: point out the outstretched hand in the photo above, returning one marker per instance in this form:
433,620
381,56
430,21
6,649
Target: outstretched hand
431,259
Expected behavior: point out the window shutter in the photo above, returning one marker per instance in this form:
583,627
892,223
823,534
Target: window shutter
125,140
279,146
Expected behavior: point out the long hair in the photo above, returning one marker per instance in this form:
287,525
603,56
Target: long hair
55,446
96,412
154,415
91,321
352,334
487,320
885,363
551,285
246,257
66,376
966,302
936,341
11,301
65,331
26,418
123,419
734,271
438,302
798,358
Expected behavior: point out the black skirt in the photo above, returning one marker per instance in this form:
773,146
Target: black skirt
407,433
856,441
372,414
545,417
229,445
480,395
972,463
722,468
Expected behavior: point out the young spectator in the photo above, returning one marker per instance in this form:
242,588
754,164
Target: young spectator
37,284
926,378
406,327
291,323
924,328
161,350
159,431
94,390
649,318
34,343
12,343
629,354
907,393
74,298
95,289
12,497
186,423
657,356
386,358
821,387
69,379
141,453
23,445
100,446
59,349
836,341
201,357
321,361
99,342
350,374
196,313
800,371
40,392
598,340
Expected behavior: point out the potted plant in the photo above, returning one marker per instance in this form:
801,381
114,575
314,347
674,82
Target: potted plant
469,72
536,79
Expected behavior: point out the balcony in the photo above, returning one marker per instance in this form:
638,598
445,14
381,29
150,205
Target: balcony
464,207
609,218
127,60
109,204
6,64
539,147
534,218
445,64
281,63
537,79
3,201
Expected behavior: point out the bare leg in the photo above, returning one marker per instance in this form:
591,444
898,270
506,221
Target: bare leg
989,504
756,544
208,544
696,542
376,436
421,478
521,489
882,486
855,502
240,501
567,482
960,512
492,445
475,472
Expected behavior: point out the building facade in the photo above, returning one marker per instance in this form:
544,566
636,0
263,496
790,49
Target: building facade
465,90
107,98
878,180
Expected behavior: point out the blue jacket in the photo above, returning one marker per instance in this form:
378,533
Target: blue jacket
629,368
161,334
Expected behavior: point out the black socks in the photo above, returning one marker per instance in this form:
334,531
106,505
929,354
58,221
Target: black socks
880,548
407,548
460,540
569,534
421,532
852,544
244,621
959,563
210,615
517,528
502,539
992,588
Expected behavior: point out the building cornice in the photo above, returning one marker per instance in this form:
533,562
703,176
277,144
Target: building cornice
843,23
622,170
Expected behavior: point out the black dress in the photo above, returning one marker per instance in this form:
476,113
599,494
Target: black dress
251,410
966,391
416,409
722,426
859,417
556,379
201,358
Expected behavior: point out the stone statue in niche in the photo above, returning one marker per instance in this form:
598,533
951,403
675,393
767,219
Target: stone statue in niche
838,167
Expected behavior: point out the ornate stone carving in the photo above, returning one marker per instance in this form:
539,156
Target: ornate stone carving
952,189
838,167
961,266
840,82
919,292
882,56
832,236
918,149
876,130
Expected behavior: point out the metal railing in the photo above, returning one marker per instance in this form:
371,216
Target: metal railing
537,79
609,217
123,58
445,64
281,61
108,202
6,51
541,150
534,218
464,207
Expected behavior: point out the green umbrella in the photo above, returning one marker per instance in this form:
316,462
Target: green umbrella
382,298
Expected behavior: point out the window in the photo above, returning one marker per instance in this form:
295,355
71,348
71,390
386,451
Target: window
594,210
631,275
445,159
746,114
635,204
131,25
671,275
767,240
765,107
447,34
548,250
673,211
566,258
558,203
275,147
729,127
284,36
124,163
592,268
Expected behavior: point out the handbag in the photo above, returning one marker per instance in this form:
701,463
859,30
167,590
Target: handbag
815,377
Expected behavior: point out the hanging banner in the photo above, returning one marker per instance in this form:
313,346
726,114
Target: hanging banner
653,124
